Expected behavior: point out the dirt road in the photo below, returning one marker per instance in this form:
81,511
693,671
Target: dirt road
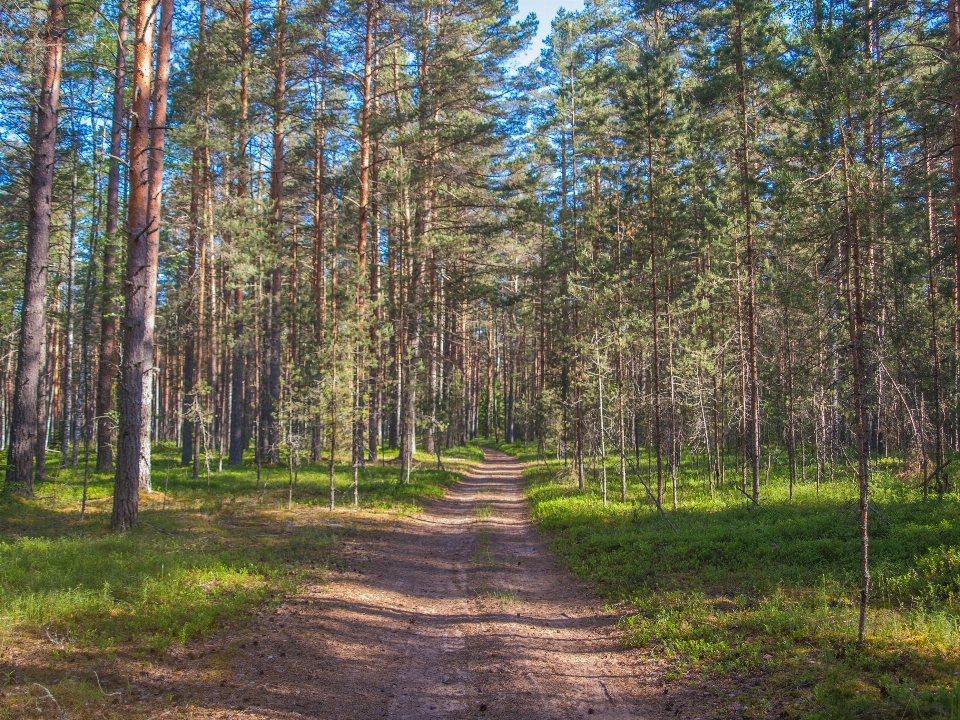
459,612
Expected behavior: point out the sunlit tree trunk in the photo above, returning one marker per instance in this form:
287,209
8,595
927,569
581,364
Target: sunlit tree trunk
147,136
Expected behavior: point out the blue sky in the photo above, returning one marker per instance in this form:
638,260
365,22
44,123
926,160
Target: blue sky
546,11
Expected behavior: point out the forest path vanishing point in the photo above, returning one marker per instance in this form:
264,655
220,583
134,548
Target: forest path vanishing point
458,612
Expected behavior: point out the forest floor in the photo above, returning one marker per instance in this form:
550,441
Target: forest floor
758,605
458,611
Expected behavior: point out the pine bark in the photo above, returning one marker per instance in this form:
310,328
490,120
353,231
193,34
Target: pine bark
66,375
45,393
752,373
31,354
110,308
655,316
147,136
953,25
191,318
376,367
238,393
271,402
854,296
363,212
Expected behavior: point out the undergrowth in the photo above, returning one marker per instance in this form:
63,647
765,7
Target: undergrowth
738,592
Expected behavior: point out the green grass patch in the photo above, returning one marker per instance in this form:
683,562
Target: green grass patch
483,510
740,591
103,589
469,453
504,597
206,553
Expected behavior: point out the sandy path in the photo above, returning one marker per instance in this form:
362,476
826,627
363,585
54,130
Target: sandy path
456,613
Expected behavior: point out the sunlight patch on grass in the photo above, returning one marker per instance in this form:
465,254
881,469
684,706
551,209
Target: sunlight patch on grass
144,586
483,510
501,596
202,557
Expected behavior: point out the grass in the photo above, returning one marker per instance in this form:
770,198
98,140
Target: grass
203,557
470,453
481,553
740,592
108,589
483,510
503,597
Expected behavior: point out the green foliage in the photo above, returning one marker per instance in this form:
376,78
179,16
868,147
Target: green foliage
740,590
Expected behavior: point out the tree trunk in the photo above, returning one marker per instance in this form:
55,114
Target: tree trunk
855,305
408,415
953,23
45,402
655,316
752,423
191,317
85,388
271,405
375,429
363,211
110,308
66,376
31,355
334,335
146,177
237,391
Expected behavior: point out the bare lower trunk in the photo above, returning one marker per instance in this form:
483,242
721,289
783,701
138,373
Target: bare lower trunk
271,406
375,393
953,22
237,386
655,315
146,175
110,309
408,415
188,453
239,350
855,322
752,419
31,354
363,212
66,377
45,406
